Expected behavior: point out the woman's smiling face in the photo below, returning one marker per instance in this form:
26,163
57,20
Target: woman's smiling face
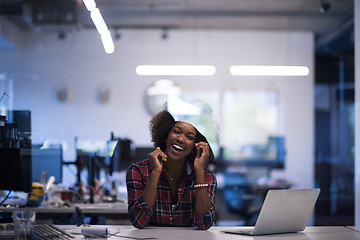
181,140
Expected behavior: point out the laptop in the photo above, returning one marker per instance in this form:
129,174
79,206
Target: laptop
283,211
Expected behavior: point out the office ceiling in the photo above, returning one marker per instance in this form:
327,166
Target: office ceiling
330,20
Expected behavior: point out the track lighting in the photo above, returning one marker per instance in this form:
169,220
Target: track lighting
324,6
164,34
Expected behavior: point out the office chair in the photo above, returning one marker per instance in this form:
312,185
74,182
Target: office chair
239,197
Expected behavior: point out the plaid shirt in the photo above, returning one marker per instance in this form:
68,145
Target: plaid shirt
163,213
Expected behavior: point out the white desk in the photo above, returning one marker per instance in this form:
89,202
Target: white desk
355,228
214,233
114,213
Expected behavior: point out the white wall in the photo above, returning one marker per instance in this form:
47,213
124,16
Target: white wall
80,64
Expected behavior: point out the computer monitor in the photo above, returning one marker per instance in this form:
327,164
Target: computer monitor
48,161
22,119
142,152
122,155
90,159
15,162
15,170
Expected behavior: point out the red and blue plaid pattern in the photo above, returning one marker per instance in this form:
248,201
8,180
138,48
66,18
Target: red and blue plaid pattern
163,213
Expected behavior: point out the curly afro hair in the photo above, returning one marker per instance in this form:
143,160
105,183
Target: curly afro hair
160,126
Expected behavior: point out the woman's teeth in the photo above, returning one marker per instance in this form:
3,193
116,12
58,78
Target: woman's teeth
178,148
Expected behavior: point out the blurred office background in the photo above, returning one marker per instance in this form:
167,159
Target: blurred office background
267,131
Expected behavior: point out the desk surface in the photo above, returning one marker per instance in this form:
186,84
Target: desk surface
100,208
215,233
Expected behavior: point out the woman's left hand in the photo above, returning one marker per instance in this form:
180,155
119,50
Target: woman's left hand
202,155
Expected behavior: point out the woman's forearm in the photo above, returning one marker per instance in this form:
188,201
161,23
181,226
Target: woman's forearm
203,203
149,194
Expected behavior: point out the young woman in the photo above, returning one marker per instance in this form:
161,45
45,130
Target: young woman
173,187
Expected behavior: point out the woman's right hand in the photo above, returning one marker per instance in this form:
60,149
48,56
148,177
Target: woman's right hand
157,159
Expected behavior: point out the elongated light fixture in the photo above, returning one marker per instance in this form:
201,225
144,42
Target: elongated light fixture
99,21
175,70
89,4
253,70
100,25
107,42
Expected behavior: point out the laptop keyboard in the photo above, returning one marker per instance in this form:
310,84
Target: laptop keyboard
246,232
241,231
49,232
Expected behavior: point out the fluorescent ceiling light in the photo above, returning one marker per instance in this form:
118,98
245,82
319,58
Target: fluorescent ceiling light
253,70
100,25
98,21
175,70
90,5
107,42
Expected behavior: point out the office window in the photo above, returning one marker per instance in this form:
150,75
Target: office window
244,123
250,121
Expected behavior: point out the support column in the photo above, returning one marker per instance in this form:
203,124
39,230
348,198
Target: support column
357,109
